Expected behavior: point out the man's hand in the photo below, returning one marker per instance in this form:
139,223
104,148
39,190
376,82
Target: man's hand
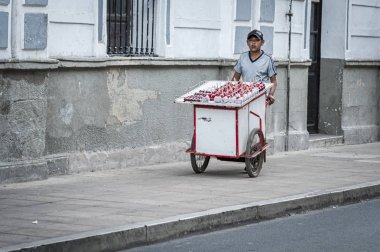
236,76
270,99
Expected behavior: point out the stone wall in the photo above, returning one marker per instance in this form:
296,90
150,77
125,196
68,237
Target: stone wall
23,107
360,103
119,107
277,116
349,100
71,116
81,116
330,97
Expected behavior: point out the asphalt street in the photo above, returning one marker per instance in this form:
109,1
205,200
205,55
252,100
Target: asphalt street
347,228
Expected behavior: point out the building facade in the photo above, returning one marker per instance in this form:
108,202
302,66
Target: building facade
87,85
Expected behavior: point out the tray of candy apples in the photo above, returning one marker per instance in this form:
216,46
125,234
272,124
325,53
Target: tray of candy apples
225,93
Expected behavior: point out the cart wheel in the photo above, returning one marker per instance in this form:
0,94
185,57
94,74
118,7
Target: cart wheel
254,144
198,162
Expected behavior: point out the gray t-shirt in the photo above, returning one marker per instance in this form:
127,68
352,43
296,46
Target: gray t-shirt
260,69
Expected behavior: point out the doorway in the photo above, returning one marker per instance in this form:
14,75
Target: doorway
314,69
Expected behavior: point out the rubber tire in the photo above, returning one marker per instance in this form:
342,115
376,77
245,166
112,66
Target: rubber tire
254,165
198,167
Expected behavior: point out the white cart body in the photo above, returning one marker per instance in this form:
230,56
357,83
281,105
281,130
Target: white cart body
222,130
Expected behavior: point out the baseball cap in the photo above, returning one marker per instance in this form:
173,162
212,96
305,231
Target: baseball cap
256,33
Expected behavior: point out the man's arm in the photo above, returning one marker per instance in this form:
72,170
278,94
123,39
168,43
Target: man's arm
236,76
270,97
273,80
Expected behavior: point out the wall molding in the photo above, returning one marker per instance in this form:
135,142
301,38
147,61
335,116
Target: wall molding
130,61
362,63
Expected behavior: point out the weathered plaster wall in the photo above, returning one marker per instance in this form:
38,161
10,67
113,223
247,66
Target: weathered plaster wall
360,104
298,134
77,104
330,97
349,83
22,114
276,120
22,125
92,110
79,119
349,100
75,119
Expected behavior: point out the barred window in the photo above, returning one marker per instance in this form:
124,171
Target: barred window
130,27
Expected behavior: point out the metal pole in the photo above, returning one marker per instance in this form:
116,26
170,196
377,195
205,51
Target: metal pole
125,30
151,49
147,27
137,28
120,28
114,28
131,29
109,27
289,14
142,28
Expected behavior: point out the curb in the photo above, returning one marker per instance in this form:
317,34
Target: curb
128,236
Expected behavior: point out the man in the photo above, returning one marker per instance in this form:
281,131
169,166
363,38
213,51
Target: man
255,65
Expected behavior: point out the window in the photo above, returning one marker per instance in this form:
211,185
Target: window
130,27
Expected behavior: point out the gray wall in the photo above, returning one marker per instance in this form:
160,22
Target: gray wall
349,78
276,120
81,117
94,109
360,104
103,109
349,100
330,96
75,119
22,114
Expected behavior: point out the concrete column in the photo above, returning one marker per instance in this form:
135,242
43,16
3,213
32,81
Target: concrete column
333,39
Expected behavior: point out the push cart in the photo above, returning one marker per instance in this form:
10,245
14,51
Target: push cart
229,124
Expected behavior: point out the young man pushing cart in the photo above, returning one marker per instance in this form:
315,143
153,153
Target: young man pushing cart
255,65
230,117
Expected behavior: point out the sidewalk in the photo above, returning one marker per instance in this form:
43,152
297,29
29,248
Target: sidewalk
109,210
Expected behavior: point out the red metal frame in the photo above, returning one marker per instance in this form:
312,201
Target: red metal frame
195,128
237,131
261,126
265,145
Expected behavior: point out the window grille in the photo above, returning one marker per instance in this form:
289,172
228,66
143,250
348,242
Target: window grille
130,27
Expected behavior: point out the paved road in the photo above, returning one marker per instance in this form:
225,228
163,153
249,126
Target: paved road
348,228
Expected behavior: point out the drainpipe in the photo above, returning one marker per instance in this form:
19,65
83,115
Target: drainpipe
289,14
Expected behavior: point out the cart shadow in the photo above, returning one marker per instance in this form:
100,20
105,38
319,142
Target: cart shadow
230,174
221,171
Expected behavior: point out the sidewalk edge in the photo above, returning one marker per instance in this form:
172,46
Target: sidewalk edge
128,236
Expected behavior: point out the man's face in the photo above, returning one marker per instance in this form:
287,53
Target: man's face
254,44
